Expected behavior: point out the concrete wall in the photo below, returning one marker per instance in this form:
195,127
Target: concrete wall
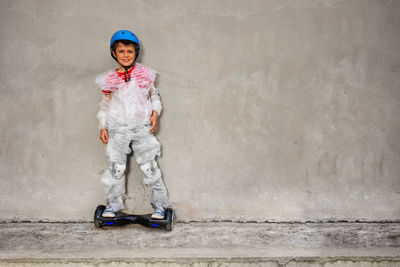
273,110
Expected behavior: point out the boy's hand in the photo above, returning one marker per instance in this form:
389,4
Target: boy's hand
154,121
104,136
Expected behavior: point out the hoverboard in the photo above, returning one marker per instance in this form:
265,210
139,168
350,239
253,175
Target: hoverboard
122,218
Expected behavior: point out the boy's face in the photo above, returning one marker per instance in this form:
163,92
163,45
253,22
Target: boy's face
125,54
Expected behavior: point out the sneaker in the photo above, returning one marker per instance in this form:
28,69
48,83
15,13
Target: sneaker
108,212
159,213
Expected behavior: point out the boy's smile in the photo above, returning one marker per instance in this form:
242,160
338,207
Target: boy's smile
125,54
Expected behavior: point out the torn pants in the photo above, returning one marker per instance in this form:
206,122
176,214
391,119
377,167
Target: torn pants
122,140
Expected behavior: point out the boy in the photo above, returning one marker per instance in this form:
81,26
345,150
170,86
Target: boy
128,118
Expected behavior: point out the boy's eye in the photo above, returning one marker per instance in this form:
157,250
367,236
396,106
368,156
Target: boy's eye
122,51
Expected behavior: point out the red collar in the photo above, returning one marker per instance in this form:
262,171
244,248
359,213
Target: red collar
121,74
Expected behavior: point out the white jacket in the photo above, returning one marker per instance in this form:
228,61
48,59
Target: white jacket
131,102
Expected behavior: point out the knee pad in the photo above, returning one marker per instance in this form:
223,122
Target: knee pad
117,170
147,169
151,172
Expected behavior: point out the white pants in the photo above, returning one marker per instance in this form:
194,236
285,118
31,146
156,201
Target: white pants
145,148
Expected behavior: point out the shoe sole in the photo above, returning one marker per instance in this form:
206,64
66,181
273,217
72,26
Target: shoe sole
158,217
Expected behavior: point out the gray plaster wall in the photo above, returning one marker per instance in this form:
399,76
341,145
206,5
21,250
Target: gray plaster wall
273,110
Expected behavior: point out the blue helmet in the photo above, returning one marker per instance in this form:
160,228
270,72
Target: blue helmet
124,35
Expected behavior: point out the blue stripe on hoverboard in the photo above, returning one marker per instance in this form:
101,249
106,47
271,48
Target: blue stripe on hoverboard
155,225
109,223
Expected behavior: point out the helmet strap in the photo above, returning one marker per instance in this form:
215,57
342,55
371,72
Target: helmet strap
127,76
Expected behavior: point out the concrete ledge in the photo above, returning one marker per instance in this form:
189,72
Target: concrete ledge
200,262
201,244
